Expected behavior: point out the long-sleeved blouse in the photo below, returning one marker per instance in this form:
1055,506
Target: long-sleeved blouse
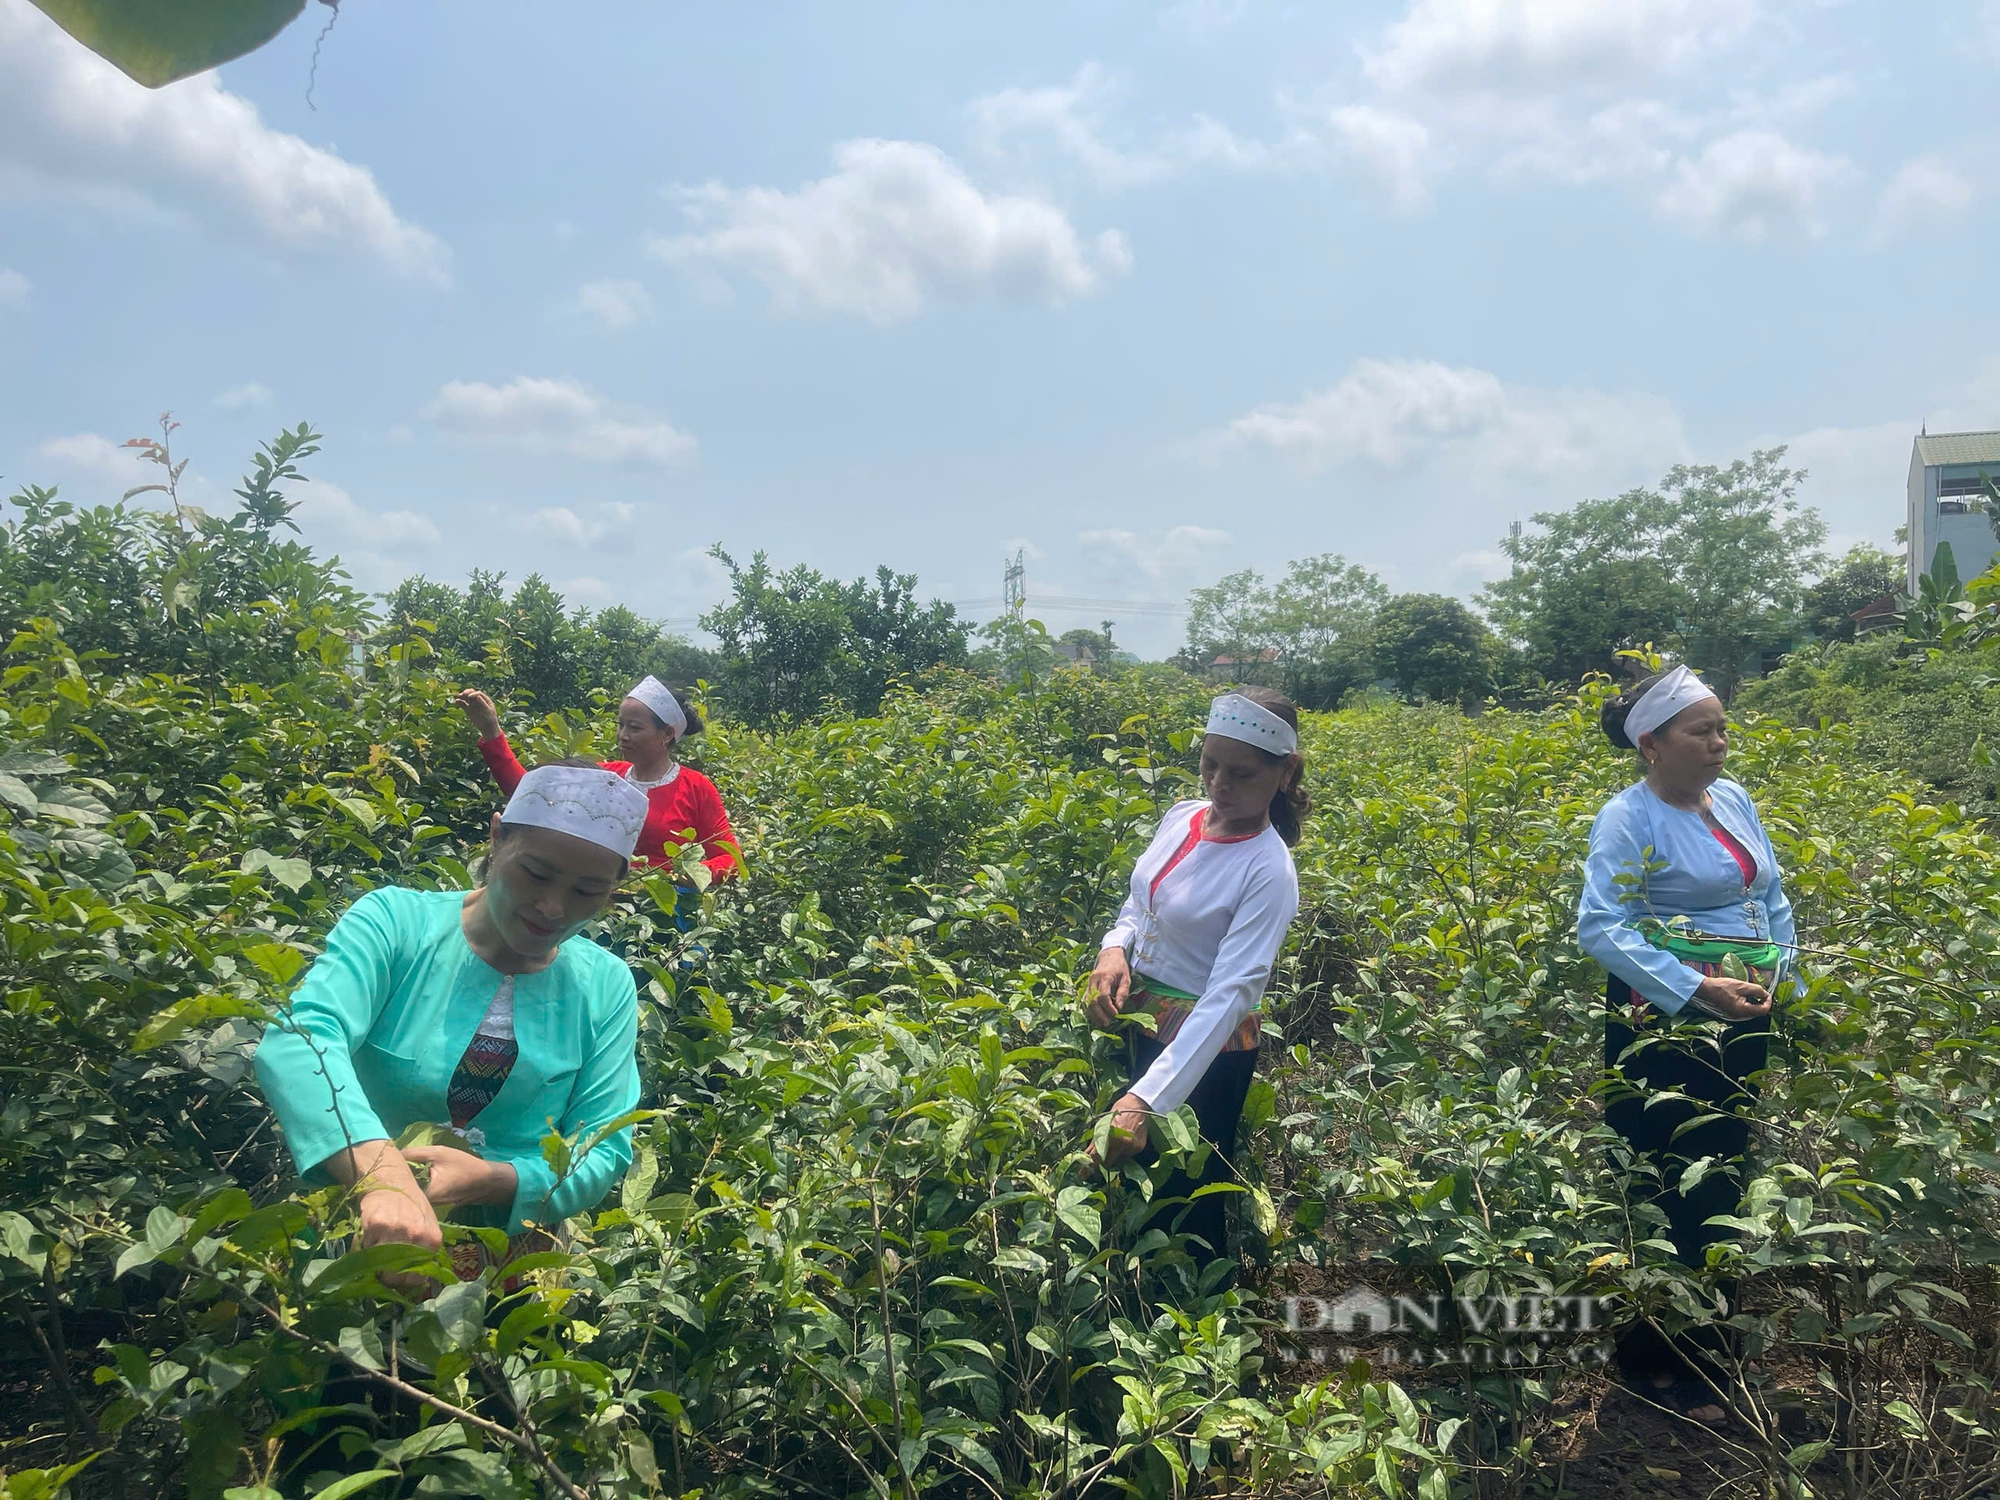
1650,859
1207,917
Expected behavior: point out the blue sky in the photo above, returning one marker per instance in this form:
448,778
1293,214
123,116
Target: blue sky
1153,292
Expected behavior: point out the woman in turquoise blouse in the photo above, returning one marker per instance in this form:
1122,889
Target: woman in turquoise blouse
484,1011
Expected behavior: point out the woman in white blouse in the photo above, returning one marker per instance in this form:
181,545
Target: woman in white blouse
1196,939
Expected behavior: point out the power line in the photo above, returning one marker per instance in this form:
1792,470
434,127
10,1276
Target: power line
1070,602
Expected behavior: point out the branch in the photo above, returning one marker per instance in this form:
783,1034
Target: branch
507,1435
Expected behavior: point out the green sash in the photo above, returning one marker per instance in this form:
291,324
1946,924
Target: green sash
1691,946
1164,991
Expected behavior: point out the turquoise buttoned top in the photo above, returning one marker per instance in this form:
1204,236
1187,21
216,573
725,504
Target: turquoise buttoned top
392,1004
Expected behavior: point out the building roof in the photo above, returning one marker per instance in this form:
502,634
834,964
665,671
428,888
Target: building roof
1877,609
1959,448
1269,653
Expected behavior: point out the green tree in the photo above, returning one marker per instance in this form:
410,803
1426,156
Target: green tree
532,643
892,636
1015,651
1712,563
1231,617
1864,575
1094,647
795,642
1316,621
211,599
1431,646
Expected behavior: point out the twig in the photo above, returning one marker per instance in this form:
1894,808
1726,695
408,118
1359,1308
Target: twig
57,1355
889,1341
494,1430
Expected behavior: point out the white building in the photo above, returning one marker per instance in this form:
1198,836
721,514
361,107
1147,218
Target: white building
1948,471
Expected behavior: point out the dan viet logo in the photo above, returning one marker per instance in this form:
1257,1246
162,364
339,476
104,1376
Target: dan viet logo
1435,1330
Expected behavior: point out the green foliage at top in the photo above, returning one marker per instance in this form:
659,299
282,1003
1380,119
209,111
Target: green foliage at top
202,598
1864,575
796,642
531,644
1710,564
1934,716
157,42
860,1251
1433,647
1316,626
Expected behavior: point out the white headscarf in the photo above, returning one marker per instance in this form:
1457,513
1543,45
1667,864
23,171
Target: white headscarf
1674,691
660,698
596,805
1235,717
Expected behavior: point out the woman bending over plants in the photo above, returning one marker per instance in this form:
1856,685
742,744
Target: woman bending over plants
1683,904
653,720
1194,943
484,1011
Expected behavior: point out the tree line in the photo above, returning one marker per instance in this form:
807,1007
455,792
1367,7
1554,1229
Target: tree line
1718,565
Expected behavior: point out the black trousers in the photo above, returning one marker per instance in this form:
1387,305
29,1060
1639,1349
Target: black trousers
1218,1105
1667,1054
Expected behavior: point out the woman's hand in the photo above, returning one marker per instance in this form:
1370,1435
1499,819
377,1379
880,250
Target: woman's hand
1731,999
1128,1129
394,1210
460,1177
1111,986
480,710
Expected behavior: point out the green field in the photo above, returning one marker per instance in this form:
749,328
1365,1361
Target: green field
860,1252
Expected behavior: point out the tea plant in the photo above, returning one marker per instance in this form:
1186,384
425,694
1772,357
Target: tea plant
861,1250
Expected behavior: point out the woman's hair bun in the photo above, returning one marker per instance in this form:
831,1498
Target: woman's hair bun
1293,803
1611,718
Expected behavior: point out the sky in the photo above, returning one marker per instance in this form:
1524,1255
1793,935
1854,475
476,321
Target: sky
1146,292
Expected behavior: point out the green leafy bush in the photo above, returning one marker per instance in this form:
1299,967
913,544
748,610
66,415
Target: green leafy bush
859,1251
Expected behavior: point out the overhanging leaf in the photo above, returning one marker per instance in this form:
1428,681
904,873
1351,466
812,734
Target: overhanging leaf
155,42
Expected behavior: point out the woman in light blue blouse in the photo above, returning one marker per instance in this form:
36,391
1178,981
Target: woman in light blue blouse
1684,905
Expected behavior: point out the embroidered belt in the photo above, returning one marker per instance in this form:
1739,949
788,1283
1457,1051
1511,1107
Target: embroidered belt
1170,1009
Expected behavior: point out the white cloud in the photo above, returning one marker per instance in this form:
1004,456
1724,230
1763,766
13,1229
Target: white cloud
1926,191
1396,413
1644,95
896,224
99,457
557,416
587,590
1856,475
243,397
71,121
1199,20
1394,148
1153,562
328,506
1755,184
1479,566
1534,45
1068,116
14,288
562,523
614,304
378,548
1070,119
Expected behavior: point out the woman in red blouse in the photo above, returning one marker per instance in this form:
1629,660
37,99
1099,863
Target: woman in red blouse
681,802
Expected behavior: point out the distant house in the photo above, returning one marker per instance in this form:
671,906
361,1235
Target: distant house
1948,473
1878,614
1262,659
